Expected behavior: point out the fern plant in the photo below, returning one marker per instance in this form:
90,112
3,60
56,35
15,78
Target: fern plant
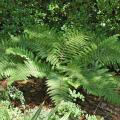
22,58
85,63
70,59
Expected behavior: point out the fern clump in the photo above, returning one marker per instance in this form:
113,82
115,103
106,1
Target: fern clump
67,59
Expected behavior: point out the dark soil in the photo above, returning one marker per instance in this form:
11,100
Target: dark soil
97,105
35,93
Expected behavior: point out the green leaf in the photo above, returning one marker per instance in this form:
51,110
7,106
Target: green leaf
66,116
36,115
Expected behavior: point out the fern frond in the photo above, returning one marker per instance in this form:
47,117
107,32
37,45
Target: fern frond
96,81
109,51
30,66
58,88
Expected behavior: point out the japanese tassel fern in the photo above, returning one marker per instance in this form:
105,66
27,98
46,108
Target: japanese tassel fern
72,59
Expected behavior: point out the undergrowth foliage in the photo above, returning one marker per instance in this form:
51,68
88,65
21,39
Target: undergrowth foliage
68,60
96,15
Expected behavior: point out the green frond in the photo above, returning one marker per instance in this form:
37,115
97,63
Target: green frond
109,51
96,81
30,66
23,53
58,88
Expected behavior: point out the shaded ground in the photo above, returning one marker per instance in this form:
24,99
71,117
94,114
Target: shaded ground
96,105
35,93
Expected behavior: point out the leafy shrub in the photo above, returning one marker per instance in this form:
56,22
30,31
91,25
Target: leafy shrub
101,16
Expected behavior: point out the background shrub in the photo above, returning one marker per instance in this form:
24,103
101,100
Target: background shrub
97,15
